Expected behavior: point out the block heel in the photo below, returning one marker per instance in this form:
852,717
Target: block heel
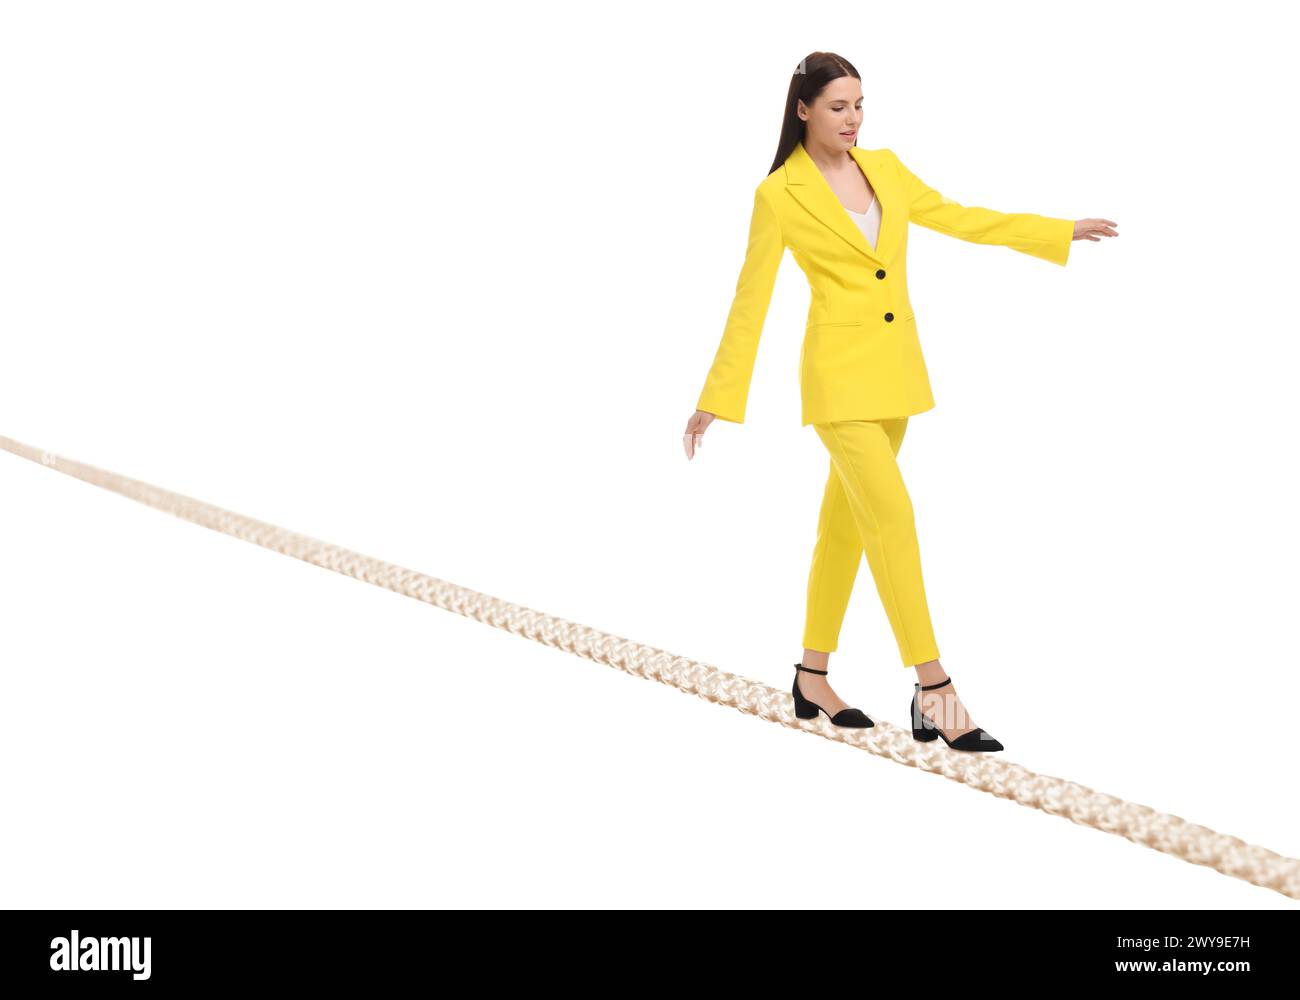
924,730
849,718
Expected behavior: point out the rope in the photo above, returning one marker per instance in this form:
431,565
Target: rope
1143,825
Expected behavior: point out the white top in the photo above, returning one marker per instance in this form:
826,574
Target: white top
868,221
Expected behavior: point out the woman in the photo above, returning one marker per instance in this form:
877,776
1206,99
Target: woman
843,212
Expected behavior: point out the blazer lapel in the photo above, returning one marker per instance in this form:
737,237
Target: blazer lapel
804,180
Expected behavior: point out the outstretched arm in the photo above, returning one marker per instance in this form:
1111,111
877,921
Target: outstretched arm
1037,235
726,390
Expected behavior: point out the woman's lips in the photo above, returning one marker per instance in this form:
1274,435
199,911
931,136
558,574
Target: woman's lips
849,135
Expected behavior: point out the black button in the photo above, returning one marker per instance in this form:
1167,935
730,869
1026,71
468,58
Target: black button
880,273
889,317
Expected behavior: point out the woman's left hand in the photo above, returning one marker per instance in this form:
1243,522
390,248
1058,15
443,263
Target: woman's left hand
1094,229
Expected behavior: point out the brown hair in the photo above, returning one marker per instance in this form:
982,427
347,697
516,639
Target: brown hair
810,78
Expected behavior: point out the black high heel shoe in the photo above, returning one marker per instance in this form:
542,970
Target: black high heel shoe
850,718
924,729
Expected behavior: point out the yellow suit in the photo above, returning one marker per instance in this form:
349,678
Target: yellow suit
861,358
860,370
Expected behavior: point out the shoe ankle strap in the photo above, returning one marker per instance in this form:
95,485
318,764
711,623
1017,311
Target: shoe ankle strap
809,670
931,687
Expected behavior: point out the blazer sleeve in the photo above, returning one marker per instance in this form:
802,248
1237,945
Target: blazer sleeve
726,390
1037,235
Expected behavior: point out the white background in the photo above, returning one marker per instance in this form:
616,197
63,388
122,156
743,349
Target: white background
441,285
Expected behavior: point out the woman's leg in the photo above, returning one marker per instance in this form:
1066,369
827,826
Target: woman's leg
836,557
863,457
866,508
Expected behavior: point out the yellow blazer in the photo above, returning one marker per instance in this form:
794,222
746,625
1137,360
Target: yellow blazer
861,359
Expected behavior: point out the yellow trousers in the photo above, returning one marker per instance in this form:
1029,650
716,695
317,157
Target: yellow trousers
866,508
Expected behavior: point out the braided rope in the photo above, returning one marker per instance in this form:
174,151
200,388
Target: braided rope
1141,824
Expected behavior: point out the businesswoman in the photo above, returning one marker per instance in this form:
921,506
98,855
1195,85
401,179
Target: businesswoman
844,211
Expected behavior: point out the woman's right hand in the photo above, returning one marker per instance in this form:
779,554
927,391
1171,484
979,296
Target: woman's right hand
695,428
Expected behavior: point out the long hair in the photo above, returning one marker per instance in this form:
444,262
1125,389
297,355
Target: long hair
810,78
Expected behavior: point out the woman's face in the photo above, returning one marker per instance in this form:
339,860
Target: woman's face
833,118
